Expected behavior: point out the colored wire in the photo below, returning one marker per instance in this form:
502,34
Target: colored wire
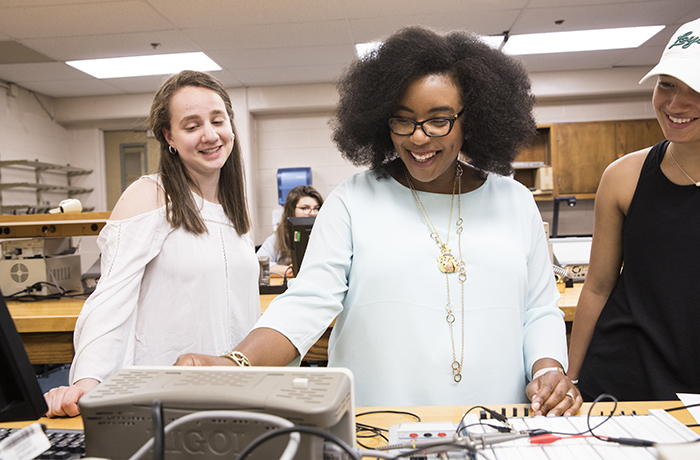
374,430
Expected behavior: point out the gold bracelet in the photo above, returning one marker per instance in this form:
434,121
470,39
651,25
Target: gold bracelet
237,357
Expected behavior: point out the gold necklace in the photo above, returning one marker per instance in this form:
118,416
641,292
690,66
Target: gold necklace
447,263
697,183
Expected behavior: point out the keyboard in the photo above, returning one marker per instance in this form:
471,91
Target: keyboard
65,444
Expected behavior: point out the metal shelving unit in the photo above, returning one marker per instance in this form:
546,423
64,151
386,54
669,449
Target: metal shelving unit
39,188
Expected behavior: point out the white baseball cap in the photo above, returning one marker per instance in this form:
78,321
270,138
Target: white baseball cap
681,58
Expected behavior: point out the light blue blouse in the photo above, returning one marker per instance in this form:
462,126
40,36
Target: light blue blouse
372,263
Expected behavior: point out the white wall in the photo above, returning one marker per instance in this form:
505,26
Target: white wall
294,140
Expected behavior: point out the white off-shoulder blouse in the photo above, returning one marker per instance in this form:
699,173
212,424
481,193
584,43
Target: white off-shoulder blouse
164,292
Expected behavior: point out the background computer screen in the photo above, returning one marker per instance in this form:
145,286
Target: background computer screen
21,397
299,231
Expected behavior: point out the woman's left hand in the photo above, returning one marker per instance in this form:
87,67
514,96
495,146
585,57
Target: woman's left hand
553,393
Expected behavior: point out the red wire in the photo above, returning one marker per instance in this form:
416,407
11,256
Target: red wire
550,438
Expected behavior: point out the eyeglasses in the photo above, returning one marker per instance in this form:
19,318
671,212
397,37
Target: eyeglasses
435,127
308,209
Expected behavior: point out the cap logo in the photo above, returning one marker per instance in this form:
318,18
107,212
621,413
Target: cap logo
685,40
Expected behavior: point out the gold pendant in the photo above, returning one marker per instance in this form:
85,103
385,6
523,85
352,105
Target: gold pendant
447,262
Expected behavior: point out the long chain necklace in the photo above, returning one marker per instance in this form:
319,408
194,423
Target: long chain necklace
697,183
447,263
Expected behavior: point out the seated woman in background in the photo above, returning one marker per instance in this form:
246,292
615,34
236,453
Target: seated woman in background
302,201
179,272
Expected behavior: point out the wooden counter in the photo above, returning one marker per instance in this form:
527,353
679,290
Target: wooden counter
46,327
568,301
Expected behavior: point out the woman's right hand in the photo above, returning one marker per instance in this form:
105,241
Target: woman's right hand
63,401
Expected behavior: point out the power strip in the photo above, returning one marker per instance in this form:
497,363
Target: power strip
423,431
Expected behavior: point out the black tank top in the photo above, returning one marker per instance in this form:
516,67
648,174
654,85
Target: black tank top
646,343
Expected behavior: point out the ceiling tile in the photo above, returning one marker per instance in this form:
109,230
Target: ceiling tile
186,14
573,61
288,75
227,79
392,8
71,88
647,57
12,52
147,84
113,45
30,3
44,71
271,35
608,15
284,57
66,20
371,29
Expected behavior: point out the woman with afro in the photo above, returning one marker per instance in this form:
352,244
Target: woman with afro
433,262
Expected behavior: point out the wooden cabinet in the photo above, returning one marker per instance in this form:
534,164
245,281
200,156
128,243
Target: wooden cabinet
582,151
631,136
579,153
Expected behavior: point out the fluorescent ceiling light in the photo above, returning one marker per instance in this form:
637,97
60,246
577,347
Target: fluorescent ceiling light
494,41
580,40
559,42
138,66
363,49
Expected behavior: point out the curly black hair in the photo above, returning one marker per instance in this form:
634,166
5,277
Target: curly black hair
494,88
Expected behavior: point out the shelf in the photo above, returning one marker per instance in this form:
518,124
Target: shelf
40,166
46,187
38,187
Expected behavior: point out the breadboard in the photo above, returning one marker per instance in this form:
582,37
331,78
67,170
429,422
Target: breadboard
657,426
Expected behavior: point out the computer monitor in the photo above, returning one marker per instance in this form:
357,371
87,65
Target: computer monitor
299,231
21,397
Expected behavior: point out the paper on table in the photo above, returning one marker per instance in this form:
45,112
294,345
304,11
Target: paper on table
689,399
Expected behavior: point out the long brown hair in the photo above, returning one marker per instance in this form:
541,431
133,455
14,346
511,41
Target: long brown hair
283,247
181,209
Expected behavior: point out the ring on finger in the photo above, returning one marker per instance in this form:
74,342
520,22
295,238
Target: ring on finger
573,398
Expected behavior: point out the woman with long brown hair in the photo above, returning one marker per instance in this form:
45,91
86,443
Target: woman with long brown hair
179,271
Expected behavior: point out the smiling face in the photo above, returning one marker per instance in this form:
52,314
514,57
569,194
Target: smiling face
677,108
430,160
200,131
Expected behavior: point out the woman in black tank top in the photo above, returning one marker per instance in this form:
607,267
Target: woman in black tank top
635,332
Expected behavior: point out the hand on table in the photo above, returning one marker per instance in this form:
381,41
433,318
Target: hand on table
63,401
553,394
